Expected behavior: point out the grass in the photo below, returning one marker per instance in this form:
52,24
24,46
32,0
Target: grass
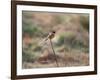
67,60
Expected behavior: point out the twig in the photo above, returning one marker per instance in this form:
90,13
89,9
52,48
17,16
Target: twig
54,53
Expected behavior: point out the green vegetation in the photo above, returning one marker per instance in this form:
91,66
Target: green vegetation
28,56
70,40
33,31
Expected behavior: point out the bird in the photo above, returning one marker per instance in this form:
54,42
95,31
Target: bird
51,35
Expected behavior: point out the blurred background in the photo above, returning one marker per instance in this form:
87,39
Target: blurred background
71,41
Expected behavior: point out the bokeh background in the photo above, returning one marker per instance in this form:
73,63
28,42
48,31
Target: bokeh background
71,41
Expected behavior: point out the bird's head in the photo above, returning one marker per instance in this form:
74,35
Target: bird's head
53,32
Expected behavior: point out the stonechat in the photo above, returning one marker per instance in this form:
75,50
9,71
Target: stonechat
50,35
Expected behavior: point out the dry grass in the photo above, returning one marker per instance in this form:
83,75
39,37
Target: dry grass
64,60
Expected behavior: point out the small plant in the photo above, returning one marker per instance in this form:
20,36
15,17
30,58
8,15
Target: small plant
28,56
